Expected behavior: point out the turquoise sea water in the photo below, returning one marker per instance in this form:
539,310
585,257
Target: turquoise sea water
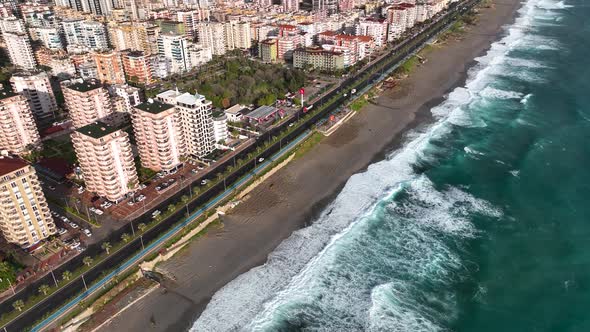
479,223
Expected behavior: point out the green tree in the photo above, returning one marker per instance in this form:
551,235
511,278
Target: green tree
184,199
171,208
125,237
141,227
44,289
66,275
18,305
106,246
88,260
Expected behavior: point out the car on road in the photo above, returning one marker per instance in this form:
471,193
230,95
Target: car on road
51,187
204,182
260,160
156,213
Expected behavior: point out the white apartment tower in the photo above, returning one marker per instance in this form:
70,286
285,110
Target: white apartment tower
20,50
174,48
212,36
87,102
35,86
89,34
106,160
18,131
49,37
195,117
158,132
238,35
25,218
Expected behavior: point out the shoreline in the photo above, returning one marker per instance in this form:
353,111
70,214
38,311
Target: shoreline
298,193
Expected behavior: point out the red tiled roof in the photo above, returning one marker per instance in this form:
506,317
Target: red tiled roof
11,164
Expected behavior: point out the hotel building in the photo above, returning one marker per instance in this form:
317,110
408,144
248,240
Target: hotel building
106,160
25,218
158,133
17,126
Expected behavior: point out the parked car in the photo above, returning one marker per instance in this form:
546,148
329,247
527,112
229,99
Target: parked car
81,190
87,232
142,186
51,187
140,198
194,171
74,225
98,211
204,182
158,188
130,203
62,231
64,219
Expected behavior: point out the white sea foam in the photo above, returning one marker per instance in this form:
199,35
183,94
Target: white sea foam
494,93
315,271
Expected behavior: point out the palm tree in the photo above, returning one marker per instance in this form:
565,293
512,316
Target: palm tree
125,237
44,289
66,275
184,199
158,217
141,227
171,208
106,246
87,260
18,305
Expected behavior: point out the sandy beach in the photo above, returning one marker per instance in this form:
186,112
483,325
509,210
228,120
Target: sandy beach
294,195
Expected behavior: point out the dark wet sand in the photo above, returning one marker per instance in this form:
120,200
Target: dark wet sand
293,196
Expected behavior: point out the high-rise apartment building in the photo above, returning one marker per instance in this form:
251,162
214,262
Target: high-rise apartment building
290,5
89,34
12,24
191,18
237,35
174,48
138,67
328,6
20,50
87,102
212,35
106,160
195,117
25,218
158,133
49,36
135,36
18,131
109,67
36,87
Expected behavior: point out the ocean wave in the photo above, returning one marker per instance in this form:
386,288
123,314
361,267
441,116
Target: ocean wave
388,231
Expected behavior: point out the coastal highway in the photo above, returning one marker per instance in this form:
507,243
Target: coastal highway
71,291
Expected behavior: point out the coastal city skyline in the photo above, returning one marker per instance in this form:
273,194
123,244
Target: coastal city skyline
162,160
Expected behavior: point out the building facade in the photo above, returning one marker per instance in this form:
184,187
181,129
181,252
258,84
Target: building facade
138,67
25,218
20,50
158,133
87,102
36,87
174,48
106,160
109,67
18,131
195,118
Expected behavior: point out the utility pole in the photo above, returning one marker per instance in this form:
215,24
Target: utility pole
53,275
132,229
141,239
84,281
